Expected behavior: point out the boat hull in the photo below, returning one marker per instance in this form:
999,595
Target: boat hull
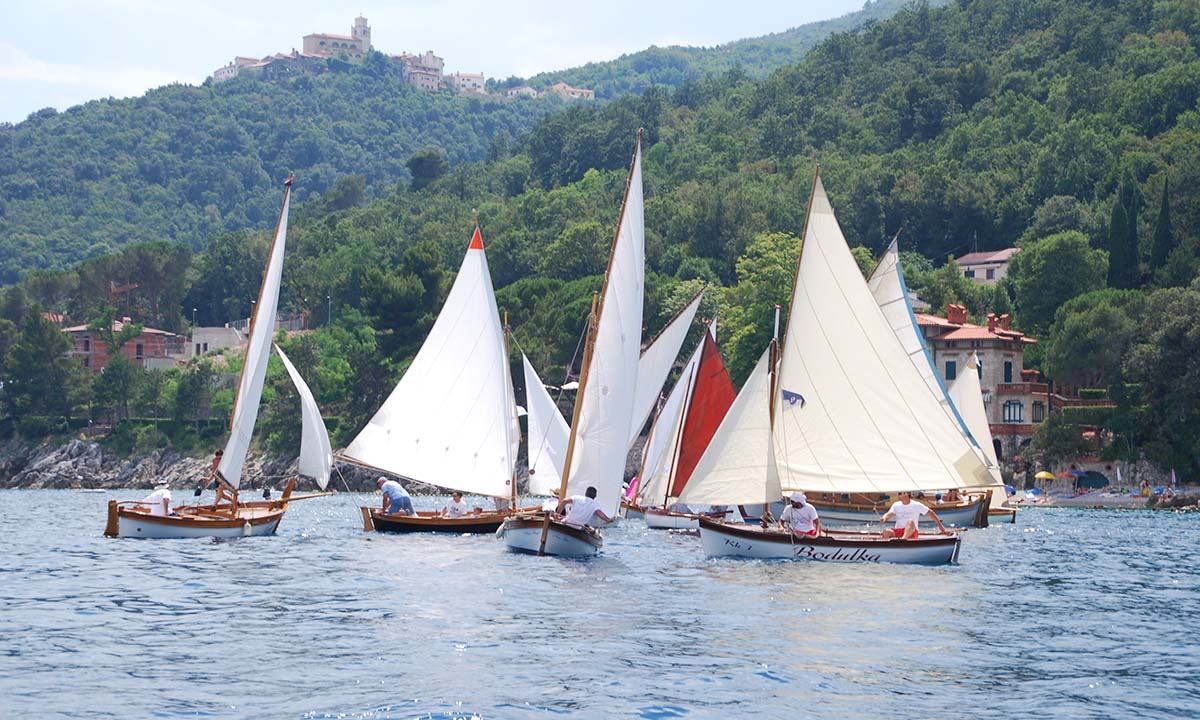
969,514
1002,515
740,541
482,523
631,512
659,520
124,522
523,534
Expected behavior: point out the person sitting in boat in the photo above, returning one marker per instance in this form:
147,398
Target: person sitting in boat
580,509
456,508
395,498
907,513
951,496
158,502
800,517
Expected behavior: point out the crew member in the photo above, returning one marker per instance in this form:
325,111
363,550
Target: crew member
580,509
395,498
907,513
800,517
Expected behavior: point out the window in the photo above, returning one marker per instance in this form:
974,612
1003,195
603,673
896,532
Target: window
87,344
969,273
951,369
197,348
1014,411
1008,371
141,351
991,274
205,347
1039,411
979,369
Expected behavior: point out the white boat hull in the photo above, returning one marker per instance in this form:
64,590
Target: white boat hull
131,527
721,540
671,521
125,522
524,535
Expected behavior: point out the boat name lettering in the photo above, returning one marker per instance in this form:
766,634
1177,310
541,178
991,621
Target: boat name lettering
837,554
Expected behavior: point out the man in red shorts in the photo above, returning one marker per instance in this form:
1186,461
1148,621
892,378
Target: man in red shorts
800,517
907,513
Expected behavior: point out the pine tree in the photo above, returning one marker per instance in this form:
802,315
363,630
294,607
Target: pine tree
1164,240
1123,256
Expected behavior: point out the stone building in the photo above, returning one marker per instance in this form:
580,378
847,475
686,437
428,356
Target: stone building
423,71
521,91
1015,401
153,348
353,46
567,92
467,82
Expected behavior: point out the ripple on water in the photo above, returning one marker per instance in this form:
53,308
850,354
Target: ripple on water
1068,614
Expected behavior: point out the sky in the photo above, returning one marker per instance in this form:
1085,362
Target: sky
59,53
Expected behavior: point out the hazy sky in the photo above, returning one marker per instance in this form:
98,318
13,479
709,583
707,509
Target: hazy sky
59,53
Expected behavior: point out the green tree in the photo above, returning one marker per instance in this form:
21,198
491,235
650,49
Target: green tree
766,273
40,378
116,384
427,166
1164,239
864,258
1091,336
1123,269
1051,271
581,250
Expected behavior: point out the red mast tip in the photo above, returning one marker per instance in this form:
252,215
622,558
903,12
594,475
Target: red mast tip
476,240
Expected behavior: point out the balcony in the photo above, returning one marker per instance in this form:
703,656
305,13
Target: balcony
1022,389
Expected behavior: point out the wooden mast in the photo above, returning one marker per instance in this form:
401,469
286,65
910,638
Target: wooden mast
512,499
589,344
287,184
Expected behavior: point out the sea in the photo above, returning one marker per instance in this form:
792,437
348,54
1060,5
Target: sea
1066,614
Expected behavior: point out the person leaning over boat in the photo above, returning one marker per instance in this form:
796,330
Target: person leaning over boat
457,507
800,517
395,498
158,502
580,509
907,513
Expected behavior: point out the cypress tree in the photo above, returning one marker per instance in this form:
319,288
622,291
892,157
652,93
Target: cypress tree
1164,241
1123,253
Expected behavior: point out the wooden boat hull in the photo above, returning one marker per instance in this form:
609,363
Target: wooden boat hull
1002,515
126,522
482,523
523,534
969,514
657,519
743,541
631,512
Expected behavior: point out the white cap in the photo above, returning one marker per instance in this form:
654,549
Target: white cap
798,497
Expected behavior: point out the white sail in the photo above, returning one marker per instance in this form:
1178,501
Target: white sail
451,420
602,432
664,434
546,441
968,398
738,467
891,293
858,416
655,364
316,457
258,353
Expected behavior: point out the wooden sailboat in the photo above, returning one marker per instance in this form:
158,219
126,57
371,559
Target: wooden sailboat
229,516
887,286
451,421
846,412
606,401
680,434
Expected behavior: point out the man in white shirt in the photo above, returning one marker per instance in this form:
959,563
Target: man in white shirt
158,502
456,508
907,513
580,509
800,517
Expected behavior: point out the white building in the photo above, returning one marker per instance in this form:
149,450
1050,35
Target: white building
988,267
521,91
467,82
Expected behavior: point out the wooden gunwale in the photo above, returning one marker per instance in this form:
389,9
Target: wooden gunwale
826,539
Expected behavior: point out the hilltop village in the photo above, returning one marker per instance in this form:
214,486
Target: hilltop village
425,71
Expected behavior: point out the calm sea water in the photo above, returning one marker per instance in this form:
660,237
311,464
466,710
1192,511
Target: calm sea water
1068,614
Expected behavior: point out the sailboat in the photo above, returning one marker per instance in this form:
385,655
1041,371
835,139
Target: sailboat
841,409
605,403
682,430
228,516
967,396
451,421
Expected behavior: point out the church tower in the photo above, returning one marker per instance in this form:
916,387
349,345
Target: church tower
362,33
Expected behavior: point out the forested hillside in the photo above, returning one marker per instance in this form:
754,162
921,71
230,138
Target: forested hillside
1067,126
677,65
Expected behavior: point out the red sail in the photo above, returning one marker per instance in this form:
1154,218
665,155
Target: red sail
712,394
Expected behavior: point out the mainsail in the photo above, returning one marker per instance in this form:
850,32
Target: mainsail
711,397
546,439
858,416
738,466
451,421
258,353
607,394
316,457
656,361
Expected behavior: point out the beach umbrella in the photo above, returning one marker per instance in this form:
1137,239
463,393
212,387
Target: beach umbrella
1045,475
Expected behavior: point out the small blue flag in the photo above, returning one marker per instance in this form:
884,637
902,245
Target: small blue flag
793,397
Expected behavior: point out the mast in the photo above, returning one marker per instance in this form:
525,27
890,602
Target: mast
513,495
688,389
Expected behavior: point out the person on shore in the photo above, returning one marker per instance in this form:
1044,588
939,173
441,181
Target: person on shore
456,508
395,498
800,517
907,514
580,510
158,502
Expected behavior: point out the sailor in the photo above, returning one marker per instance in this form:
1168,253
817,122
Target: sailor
395,499
457,507
159,501
800,517
580,509
907,513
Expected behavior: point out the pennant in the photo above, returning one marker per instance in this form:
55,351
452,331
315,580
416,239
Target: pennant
793,397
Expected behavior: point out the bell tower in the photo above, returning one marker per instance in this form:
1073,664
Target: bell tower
362,33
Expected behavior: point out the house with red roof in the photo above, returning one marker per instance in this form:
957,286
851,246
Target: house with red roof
1015,399
152,349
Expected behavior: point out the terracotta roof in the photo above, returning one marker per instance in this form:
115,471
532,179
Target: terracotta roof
987,256
970,331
